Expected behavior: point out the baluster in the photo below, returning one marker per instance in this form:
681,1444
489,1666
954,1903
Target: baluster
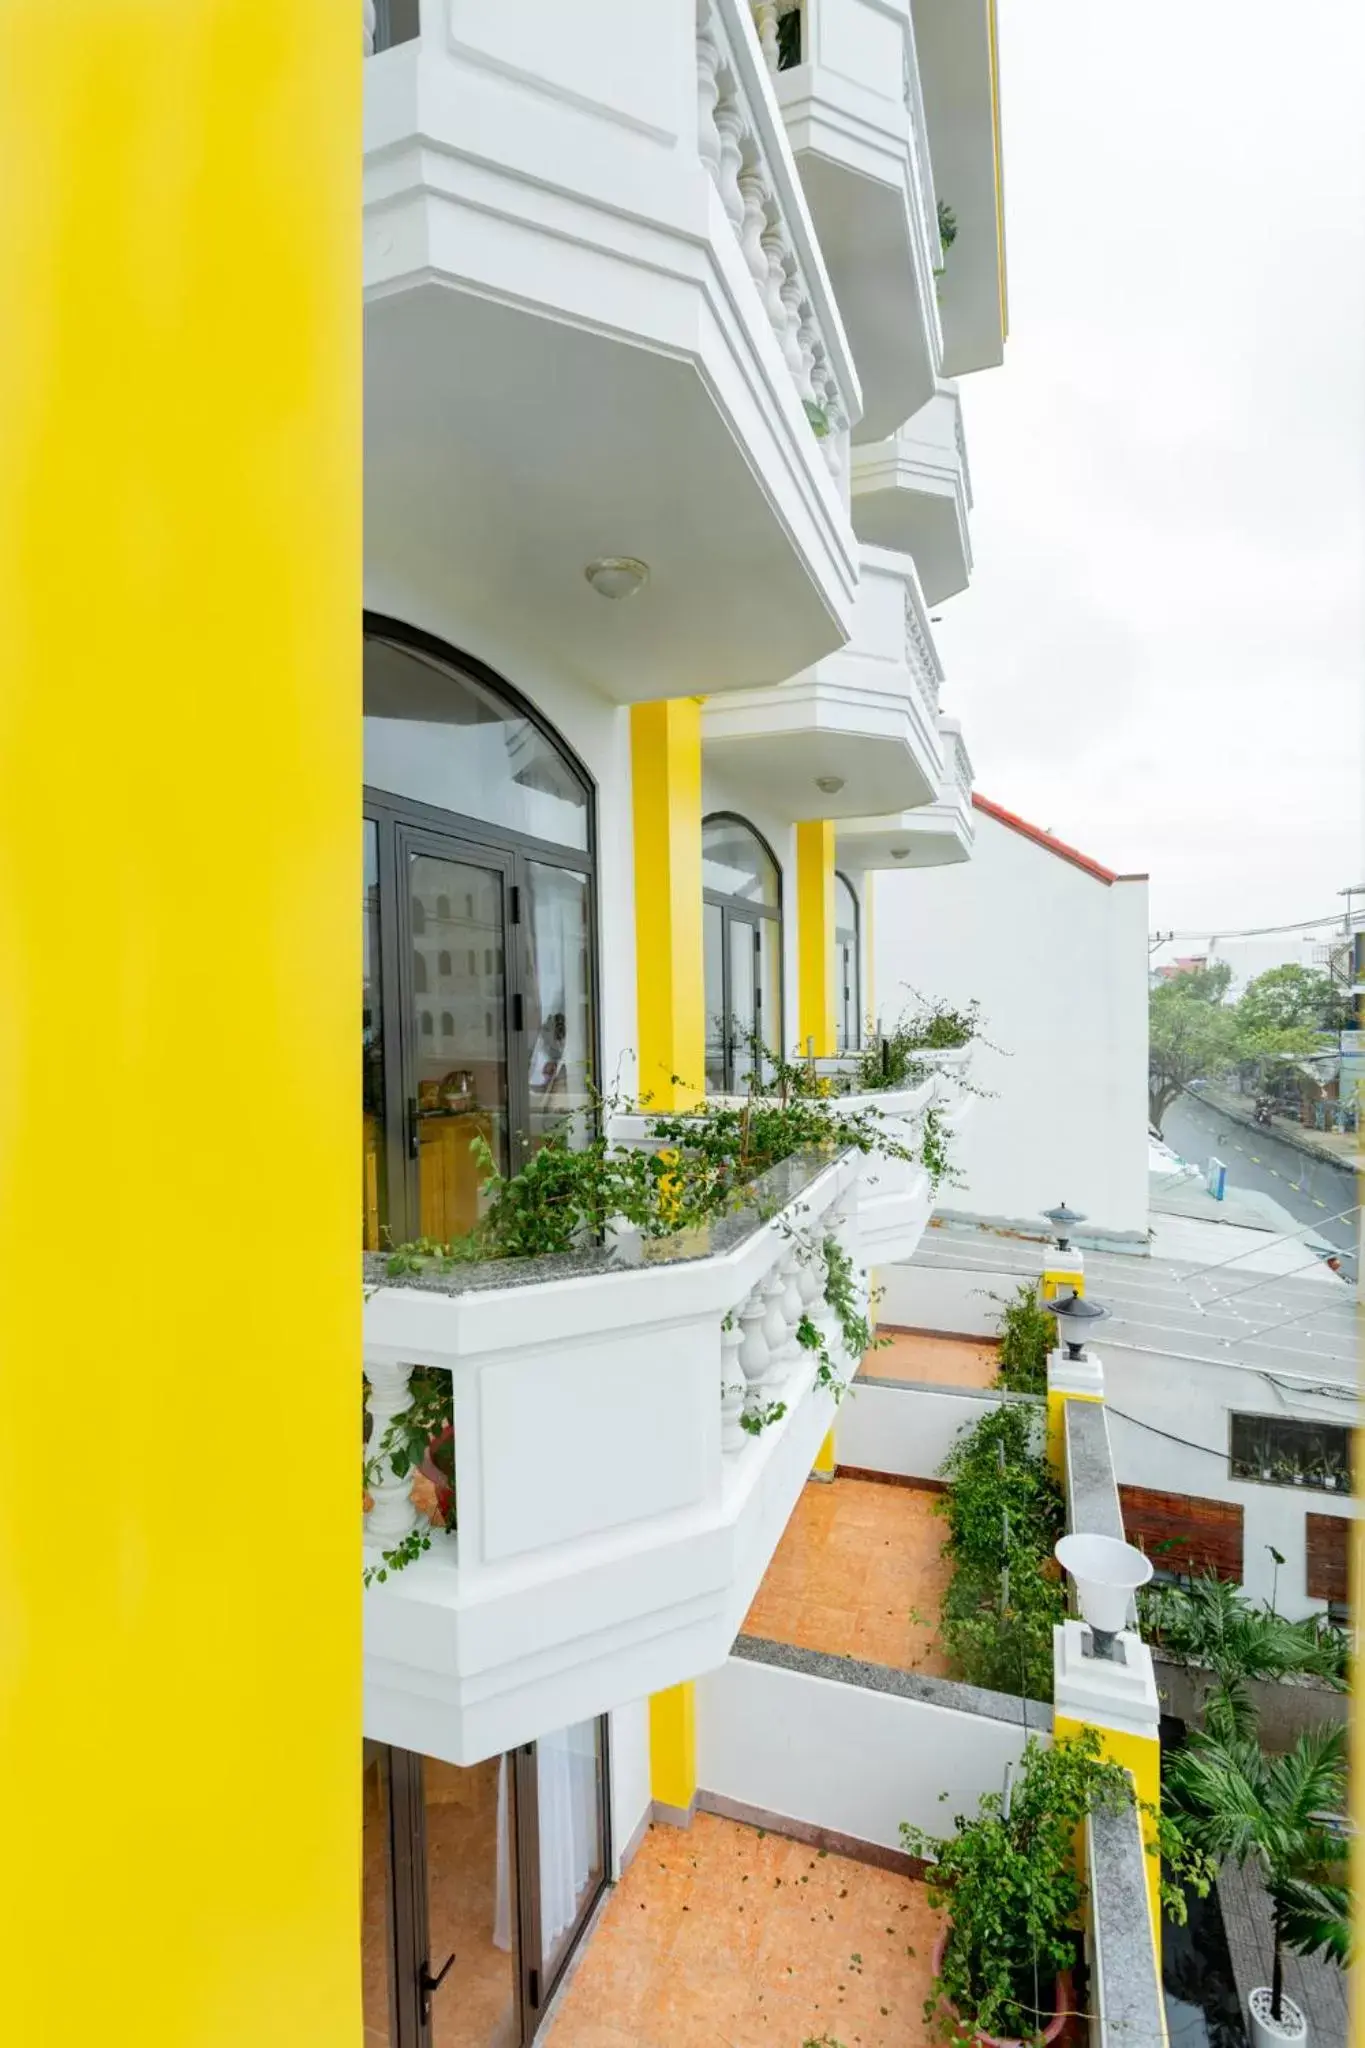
753,1349
708,92
754,193
779,1340
765,21
792,1305
811,1280
729,119
806,337
775,249
367,27
732,1385
392,1514
791,295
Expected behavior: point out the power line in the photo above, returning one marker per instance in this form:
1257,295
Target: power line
1259,931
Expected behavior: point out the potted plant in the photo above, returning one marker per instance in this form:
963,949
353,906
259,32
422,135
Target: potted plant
1275,1812
1010,1886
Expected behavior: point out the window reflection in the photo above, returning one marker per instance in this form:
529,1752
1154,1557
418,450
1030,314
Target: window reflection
374,1201
558,997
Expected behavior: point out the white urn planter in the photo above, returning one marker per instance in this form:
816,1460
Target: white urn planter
1290,2030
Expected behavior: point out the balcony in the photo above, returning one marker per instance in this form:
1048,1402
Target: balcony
855,735
931,837
958,58
856,119
598,325
913,492
615,1516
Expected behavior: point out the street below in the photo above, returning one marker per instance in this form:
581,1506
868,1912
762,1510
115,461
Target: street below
1312,1190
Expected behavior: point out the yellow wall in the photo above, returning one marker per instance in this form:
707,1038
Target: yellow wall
670,976
815,936
179,927
1140,1756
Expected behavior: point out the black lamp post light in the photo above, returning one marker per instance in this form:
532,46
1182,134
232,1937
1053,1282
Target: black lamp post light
1076,1317
1063,1221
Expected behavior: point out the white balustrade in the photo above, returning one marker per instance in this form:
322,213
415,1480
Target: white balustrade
921,655
732,1386
739,142
392,1515
777,1336
367,27
755,1361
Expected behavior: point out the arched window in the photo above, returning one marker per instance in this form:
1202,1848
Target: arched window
742,930
847,967
481,822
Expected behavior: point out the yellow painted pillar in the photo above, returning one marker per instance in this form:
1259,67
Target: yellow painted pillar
824,1465
669,966
1055,1440
673,1753
815,936
180,1719
1064,1276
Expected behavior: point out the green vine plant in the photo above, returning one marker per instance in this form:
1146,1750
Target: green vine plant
1008,1880
947,234
896,1058
422,1432
1005,1511
856,1330
755,1420
1028,1334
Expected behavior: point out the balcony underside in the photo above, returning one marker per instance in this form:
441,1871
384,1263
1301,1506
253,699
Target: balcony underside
957,58
932,837
776,745
913,499
882,283
550,381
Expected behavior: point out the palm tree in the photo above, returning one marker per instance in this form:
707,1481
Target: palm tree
1278,1812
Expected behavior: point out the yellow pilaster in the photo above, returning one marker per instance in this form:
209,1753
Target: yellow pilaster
180,720
815,935
669,968
824,1457
673,1748
1140,1756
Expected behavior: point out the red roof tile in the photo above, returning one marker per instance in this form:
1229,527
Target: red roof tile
1041,838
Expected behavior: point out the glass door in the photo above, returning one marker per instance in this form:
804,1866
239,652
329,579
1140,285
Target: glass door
744,1006
478,1882
459,1017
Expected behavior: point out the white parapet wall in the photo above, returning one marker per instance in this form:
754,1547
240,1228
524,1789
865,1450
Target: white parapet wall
906,1431
955,1301
841,1755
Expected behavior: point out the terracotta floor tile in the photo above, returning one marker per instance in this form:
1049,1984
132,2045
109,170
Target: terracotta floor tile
934,1361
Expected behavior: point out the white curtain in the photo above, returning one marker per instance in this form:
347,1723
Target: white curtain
570,1833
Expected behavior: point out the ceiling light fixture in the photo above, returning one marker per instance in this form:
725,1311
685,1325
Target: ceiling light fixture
899,852
617,576
830,784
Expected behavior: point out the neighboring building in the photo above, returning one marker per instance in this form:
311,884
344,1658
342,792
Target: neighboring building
1054,947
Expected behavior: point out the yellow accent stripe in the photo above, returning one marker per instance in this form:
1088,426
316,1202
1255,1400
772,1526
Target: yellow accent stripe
993,40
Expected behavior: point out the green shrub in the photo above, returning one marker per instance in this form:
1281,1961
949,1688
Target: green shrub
1004,1511
1027,1334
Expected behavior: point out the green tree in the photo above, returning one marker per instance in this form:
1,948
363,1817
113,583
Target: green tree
1191,1036
1234,1802
1290,997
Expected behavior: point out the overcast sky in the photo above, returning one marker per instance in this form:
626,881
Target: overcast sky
1160,656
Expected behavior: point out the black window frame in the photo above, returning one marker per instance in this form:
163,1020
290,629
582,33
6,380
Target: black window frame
1241,1460
741,910
403,823
855,1041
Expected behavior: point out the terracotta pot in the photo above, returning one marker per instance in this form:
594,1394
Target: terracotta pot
1061,2003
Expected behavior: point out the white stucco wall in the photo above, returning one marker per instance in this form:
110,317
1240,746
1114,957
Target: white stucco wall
840,1757
630,1789
1069,1121
1168,1426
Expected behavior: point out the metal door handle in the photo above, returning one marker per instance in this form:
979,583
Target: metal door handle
427,1984
411,1119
